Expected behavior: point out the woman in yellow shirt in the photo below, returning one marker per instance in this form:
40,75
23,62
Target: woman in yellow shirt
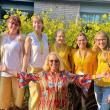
85,62
62,49
102,86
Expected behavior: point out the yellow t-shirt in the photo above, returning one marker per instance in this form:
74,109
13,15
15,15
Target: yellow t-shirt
64,52
103,66
87,64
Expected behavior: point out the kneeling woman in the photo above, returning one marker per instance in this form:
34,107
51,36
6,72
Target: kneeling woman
53,84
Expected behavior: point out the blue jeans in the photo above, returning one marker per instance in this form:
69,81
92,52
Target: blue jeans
101,94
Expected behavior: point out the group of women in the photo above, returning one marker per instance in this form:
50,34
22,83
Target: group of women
55,66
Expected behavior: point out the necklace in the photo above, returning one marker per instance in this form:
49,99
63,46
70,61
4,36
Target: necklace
40,41
58,47
61,50
82,59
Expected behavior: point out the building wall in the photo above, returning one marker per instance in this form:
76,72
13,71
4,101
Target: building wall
95,7
88,10
94,11
69,11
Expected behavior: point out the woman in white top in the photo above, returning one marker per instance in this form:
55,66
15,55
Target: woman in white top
11,57
36,50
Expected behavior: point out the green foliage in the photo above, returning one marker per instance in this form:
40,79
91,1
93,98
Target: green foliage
71,28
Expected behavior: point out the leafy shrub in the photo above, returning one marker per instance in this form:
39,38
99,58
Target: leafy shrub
71,28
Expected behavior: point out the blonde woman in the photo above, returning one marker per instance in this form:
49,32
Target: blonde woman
53,83
102,86
11,60
36,50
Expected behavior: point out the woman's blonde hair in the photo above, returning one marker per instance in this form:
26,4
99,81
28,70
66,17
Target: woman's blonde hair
46,64
104,34
39,18
16,20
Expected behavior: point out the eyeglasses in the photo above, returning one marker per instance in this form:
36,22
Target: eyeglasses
101,39
55,61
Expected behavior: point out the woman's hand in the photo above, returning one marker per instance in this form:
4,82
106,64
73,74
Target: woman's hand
20,38
108,100
103,75
23,70
106,75
99,76
3,68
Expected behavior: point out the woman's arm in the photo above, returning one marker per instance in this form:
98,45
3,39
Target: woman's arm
27,50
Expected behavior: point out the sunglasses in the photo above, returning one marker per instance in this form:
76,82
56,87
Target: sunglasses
55,61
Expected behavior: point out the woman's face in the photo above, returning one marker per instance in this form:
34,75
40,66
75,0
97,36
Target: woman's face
101,41
13,27
81,42
60,37
37,25
54,63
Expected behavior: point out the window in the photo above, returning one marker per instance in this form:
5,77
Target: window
91,17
